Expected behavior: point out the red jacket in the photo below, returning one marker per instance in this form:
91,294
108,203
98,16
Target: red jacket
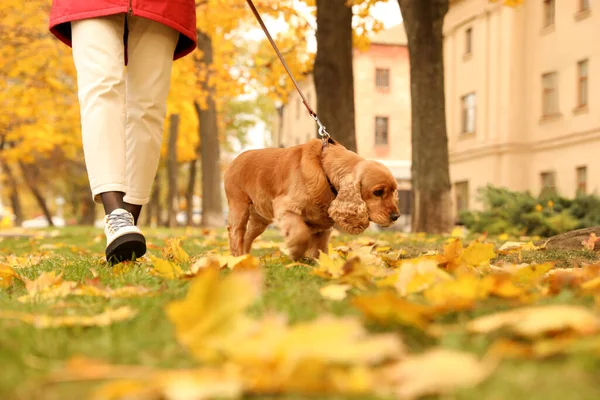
178,14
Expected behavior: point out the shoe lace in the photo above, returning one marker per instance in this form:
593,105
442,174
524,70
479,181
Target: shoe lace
118,221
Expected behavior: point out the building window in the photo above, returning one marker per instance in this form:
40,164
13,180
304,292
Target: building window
381,131
382,78
548,182
581,173
468,40
549,9
468,102
584,5
550,94
582,83
461,192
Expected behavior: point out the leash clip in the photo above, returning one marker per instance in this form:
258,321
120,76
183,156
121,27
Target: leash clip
322,131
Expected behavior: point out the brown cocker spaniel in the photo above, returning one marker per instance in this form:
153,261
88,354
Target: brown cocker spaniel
307,190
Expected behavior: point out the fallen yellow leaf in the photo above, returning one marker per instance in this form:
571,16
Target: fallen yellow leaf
334,291
387,307
173,251
532,322
212,315
165,268
7,274
105,318
436,371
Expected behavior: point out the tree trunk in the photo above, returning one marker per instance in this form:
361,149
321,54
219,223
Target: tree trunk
172,170
423,21
189,196
212,207
333,71
153,209
33,185
15,199
88,210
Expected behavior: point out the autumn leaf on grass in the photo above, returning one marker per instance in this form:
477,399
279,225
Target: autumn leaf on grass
386,307
330,267
93,288
305,357
165,268
24,262
415,275
173,251
436,371
175,385
585,279
476,255
458,294
46,286
141,382
532,322
504,348
334,291
246,262
501,285
7,275
526,275
212,315
517,247
107,317
590,242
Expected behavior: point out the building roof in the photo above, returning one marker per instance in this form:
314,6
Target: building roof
396,35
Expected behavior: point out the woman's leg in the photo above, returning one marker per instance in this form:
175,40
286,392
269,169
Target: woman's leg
150,49
98,54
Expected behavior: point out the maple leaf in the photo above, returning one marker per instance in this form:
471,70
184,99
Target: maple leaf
476,255
211,317
174,252
334,291
458,294
279,357
330,267
387,307
107,317
245,262
517,247
415,275
165,268
532,322
436,371
7,274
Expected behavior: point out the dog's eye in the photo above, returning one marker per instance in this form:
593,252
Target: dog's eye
378,193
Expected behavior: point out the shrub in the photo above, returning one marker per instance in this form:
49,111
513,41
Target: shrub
520,213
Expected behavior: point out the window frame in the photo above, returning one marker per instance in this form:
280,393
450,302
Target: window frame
387,131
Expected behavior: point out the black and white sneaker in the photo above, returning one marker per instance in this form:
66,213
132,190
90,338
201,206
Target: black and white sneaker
124,240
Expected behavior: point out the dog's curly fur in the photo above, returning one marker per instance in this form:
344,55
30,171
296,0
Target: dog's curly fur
293,187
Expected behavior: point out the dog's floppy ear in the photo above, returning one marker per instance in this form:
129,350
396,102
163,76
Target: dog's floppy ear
348,210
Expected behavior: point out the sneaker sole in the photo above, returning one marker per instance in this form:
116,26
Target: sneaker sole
126,248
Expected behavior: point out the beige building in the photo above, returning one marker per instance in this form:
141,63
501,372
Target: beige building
382,101
523,109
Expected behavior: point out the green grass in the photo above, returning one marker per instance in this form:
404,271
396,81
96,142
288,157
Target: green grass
28,354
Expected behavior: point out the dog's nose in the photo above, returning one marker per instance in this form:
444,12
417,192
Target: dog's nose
394,216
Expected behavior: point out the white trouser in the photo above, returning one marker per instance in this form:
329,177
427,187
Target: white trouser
122,109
